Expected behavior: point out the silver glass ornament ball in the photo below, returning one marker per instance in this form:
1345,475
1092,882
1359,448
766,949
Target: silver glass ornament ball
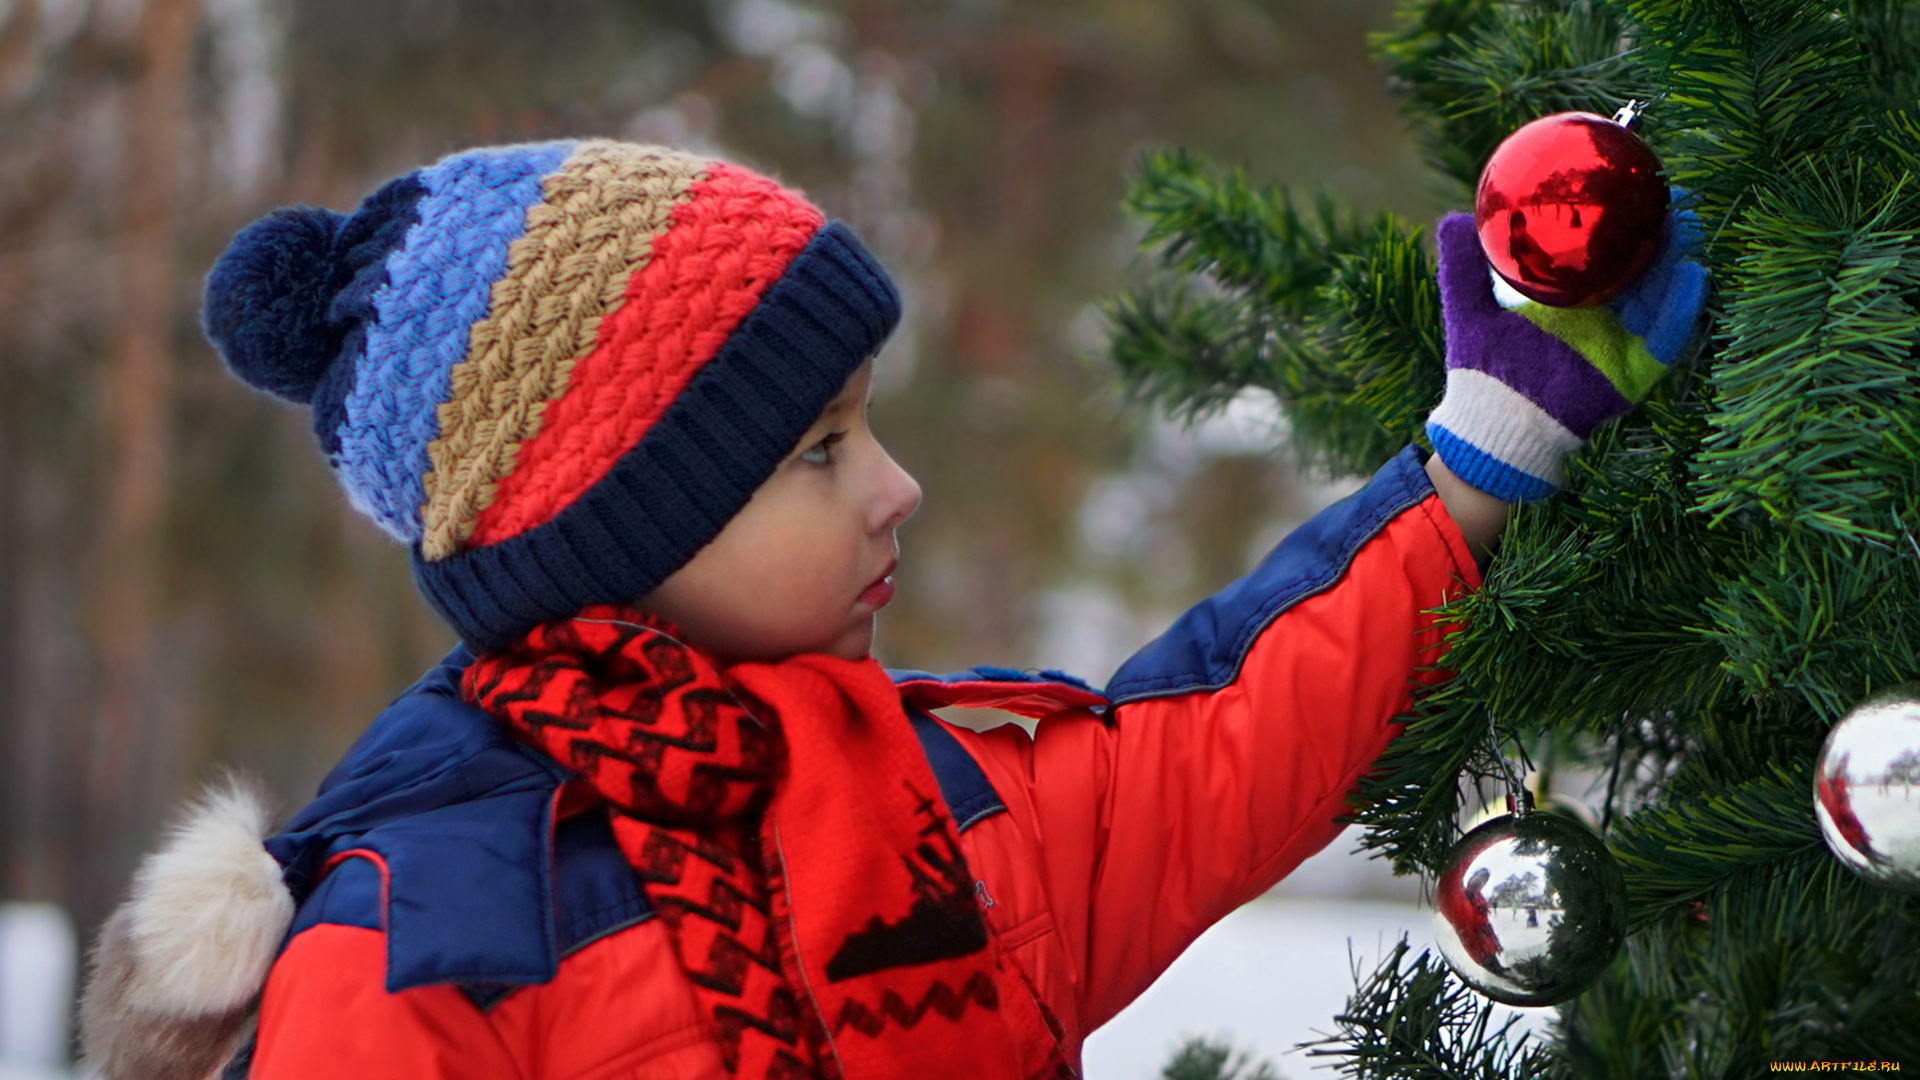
1866,789
1530,908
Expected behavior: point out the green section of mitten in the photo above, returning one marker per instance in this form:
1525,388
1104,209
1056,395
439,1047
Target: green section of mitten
1598,334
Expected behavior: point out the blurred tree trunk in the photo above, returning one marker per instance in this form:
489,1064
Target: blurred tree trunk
37,173
137,406
1028,113
13,750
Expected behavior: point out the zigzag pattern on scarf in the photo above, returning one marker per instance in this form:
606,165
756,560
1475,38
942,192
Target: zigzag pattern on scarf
664,855
781,1023
735,979
899,952
732,963
727,754
735,976
705,710
708,785
939,998
727,900
771,1052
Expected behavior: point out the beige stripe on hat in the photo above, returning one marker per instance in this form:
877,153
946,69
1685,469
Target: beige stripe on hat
595,227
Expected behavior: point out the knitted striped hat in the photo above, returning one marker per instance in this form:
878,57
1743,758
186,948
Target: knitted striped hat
556,370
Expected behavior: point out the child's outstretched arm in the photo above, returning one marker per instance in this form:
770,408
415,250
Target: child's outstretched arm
1236,738
1232,744
1479,516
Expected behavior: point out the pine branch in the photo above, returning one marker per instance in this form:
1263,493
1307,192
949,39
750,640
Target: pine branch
1818,371
1412,1020
1338,318
1593,613
1210,1059
1899,139
1549,644
1753,88
1819,623
1474,71
1190,353
1676,854
1889,33
1410,801
1799,962
1620,1028
1254,241
1382,320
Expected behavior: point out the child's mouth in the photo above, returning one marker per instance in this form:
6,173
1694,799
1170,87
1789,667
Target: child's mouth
880,592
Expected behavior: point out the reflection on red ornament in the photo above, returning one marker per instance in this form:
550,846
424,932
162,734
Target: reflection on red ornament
1570,209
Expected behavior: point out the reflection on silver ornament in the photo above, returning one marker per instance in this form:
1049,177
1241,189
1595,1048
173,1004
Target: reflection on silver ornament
1530,908
1866,789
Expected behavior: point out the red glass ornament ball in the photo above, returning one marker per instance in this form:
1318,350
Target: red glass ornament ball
1570,209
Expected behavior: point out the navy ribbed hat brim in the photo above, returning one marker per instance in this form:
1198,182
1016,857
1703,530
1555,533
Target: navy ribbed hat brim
740,415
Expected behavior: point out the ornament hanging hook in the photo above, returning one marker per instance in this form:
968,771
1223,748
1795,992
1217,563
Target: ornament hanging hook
1519,799
1632,110
1907,535
1904,531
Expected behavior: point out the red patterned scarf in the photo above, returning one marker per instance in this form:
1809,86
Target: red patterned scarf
792,837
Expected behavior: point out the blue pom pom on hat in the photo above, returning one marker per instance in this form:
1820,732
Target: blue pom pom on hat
268,300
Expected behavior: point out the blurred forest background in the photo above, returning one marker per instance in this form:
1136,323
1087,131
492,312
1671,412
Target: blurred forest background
183,586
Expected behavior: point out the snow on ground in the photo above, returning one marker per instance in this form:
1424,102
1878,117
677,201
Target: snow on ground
1273,974
24,1072
1267,977
38,957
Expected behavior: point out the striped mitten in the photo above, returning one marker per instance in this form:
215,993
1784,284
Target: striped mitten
1527,383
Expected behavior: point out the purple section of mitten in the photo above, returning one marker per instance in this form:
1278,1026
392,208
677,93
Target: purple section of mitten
1486,337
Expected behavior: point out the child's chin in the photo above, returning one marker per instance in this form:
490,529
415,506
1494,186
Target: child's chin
854,644
854,641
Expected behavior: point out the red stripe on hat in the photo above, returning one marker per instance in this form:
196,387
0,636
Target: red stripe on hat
724,248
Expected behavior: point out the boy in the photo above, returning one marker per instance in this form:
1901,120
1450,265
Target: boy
661,815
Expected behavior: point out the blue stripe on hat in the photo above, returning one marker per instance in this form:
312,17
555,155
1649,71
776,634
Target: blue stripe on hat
439,283
375,231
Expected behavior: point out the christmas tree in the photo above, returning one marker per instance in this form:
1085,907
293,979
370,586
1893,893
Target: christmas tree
1729,570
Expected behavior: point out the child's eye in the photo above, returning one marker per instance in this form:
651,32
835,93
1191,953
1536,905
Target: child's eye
821,453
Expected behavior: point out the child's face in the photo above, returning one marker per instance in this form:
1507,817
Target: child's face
809,560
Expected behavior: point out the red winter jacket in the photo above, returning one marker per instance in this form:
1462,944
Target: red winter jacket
461,921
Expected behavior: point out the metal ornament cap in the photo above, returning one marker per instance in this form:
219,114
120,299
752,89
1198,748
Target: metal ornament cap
1866,789
1530,908
1570,209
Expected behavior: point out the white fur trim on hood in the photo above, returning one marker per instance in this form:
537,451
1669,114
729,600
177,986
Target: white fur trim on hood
179,966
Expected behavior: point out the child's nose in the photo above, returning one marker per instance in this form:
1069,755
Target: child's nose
899,495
